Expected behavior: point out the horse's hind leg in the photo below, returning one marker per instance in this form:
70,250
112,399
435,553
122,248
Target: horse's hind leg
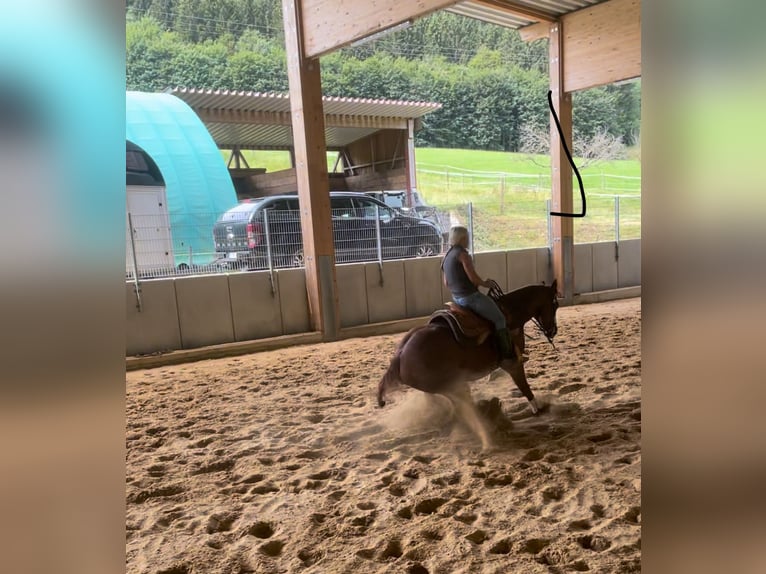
460,396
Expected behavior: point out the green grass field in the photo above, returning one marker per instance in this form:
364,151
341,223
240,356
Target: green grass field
508,192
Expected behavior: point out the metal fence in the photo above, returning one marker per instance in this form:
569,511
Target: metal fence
249,239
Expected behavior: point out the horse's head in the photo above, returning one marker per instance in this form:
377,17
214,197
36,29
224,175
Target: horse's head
546,311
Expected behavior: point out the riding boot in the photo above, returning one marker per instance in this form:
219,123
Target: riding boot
504,344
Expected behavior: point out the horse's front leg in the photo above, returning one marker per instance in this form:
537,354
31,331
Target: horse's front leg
519,376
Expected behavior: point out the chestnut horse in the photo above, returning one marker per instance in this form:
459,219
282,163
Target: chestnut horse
431,360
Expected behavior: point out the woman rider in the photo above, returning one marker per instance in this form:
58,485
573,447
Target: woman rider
463,282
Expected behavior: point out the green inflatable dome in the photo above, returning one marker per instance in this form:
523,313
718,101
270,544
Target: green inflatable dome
198,186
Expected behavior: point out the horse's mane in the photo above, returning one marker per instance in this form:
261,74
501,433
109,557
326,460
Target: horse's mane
522,293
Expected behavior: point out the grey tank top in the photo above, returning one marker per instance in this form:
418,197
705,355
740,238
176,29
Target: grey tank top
457,280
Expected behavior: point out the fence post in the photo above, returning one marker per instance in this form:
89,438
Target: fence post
136,285
502,195
549,220
378,243
470,226
267,232
616,227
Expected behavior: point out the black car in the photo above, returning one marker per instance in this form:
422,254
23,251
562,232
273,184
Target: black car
241,237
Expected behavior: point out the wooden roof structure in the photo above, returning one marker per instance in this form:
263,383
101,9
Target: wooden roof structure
591,43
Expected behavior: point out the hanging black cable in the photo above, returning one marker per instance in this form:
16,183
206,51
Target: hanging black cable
571,162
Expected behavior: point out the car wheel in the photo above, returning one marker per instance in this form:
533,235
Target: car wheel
297,259
425,249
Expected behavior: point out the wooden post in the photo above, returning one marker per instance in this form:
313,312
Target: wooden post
311,174
561,172
409,162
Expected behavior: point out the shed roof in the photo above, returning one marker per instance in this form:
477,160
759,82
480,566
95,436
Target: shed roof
518,13
254,120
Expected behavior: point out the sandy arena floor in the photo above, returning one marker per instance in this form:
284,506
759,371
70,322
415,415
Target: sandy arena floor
281,462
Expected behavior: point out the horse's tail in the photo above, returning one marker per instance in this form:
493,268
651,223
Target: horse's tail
391,377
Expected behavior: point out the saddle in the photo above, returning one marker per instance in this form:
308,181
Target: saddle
468,328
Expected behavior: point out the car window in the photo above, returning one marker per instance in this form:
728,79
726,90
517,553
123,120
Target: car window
342,207
240,212
366,209
279,205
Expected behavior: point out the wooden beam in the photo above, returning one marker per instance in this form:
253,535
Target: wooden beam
409,162
311,171
602,44
518,10
561,173
332,24
265,118
535,31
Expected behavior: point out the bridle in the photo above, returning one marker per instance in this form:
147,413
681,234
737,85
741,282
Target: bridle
495,293
544,332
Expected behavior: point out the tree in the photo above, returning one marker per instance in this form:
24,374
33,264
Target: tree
592,150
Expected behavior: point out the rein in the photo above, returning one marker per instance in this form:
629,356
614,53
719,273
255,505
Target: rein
540,327
495,293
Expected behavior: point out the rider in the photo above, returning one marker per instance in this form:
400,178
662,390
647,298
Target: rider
463,282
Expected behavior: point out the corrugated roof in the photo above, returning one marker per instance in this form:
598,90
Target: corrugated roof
262,120
492,10
272,102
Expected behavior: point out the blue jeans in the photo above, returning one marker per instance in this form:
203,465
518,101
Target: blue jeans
482,305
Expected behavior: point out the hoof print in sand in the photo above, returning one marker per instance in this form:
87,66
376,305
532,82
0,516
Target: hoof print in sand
498,480
579,525
553,493
272,548
601,437
396,489
500,547
366,553
392,551
595,543
633,515
535,545
417,569
477,536
217,466
177,569
533,455
261,530
308,556
433,535
429,505
159,492
219,523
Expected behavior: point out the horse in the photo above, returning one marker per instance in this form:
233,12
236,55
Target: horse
430,358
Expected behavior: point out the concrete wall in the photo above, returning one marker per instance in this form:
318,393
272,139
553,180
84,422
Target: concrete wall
352,295
191,312
629,263
155,328
255,308
422,286
204,310
386,297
